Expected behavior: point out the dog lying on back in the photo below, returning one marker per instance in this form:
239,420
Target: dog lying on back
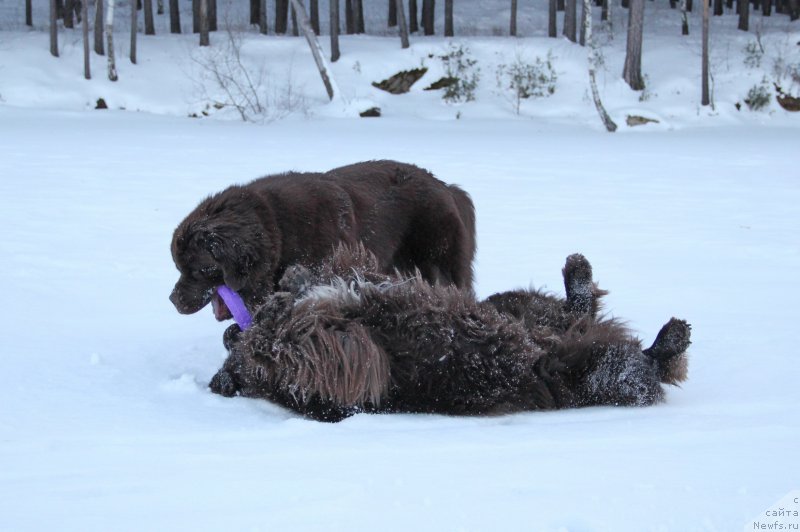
345,338
246,236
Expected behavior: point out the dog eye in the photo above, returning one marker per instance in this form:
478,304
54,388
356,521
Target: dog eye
209,271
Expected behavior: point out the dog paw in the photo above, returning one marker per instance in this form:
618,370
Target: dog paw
223,384
231,336
578,283
673,339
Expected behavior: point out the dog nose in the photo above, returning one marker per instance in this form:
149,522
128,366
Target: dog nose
175,298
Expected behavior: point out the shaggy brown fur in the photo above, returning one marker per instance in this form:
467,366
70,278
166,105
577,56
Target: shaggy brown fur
342,342
246,236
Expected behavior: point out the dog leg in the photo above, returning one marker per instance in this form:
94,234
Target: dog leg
669,351
578,284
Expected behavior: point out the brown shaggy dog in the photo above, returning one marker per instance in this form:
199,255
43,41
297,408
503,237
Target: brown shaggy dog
366,342
246,236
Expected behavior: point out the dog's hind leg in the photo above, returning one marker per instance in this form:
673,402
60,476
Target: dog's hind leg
582,293
669,351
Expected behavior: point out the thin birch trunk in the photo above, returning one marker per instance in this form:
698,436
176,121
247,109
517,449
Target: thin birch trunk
594,60
316,49
401,23
684,19
112,63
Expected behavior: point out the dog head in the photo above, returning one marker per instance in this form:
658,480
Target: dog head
223,241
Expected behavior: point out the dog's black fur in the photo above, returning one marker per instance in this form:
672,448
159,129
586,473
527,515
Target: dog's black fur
345,338
246,236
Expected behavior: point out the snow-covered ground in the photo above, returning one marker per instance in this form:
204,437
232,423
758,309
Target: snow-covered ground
105,419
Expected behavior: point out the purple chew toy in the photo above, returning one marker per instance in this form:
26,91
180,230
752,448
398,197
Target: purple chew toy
235,304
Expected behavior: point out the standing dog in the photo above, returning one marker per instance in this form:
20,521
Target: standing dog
345,339
246,236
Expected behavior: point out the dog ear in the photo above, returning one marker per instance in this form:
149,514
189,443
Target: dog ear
235,256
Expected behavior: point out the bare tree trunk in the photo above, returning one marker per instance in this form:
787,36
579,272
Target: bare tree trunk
87,71
53,28
392,22
705,99
263,27
281,16
512,28
98,28
718,8
413,21
314,8
69,8
744,14
794,10
204,39
448,18
632,73
360,16
160,7
149,27
349,17
401,22
174,17
605,10
134,28
295,30
584,14
552,28
334,29
255,11
684,19
594,60
28,13
570,20
212,15
316,49
112,63
766,8
428,16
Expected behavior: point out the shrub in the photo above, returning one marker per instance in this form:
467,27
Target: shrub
459,65
525,80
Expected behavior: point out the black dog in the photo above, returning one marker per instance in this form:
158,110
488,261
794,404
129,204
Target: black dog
366,342
246,236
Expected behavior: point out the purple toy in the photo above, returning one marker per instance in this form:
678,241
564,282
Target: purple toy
235,304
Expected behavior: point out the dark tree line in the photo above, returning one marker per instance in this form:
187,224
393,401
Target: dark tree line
421,19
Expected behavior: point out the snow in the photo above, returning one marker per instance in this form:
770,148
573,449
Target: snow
106,422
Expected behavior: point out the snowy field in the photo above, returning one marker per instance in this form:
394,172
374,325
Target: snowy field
107,423
105,419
